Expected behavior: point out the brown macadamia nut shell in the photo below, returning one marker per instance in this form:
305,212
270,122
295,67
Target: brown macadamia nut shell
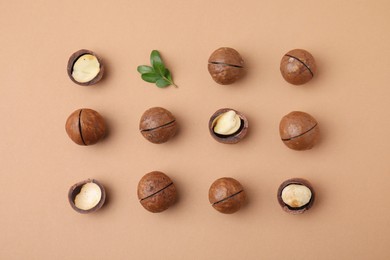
85,126
75,190
298,66
298,181
158,125
227,195
74,57
299,131
226,66
233,138
156,192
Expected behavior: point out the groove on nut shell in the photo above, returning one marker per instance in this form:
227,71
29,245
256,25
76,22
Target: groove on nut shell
157,127
80,130
151,195
291,138
229,197
304,64
226,64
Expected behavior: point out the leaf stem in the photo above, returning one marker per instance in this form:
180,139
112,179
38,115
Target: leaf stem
170,81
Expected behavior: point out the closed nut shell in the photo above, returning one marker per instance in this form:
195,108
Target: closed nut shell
85,126
299,130
156,192
227,195
158,125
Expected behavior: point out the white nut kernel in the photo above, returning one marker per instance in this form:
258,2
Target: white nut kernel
295,195
227,123
86,68
89,196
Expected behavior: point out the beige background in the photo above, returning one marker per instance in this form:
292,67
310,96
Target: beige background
349,97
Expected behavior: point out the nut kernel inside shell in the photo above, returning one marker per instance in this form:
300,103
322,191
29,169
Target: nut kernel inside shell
88,197
227,123
86,68
296,195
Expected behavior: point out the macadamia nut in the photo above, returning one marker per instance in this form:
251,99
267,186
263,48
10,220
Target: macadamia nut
89,196
227,123
296,195
85,68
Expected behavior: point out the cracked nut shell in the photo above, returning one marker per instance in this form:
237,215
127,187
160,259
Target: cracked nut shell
233,138
298,181
158,125
75,190
156,192
72,60
85,126
227,195
298,67
299,131
226,66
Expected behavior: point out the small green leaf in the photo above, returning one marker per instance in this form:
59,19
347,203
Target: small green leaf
151,77
162,83
157,63
168,75
144,69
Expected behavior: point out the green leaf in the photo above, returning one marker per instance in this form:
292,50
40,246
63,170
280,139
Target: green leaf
157,63
144,69
151,77
168,75
162,83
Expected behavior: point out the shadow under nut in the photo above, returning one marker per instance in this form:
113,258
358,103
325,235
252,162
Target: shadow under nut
298,181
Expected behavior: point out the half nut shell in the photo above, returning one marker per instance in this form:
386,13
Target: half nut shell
75,190
74,58
297,181
232,138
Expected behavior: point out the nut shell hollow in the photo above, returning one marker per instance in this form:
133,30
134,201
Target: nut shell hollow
297,181
226,66
156,192
298,67
299,131
158,125
75,57
75,190
227,195
232,138
85,126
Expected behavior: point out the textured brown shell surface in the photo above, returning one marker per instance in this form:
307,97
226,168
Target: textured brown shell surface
227,55
161,200
292,69
155,117
74,57
305,141
223,188
231,139
305,57
161,134
299,181
93,127
225,74
151,183
232,204
72,127
75,189
296,123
